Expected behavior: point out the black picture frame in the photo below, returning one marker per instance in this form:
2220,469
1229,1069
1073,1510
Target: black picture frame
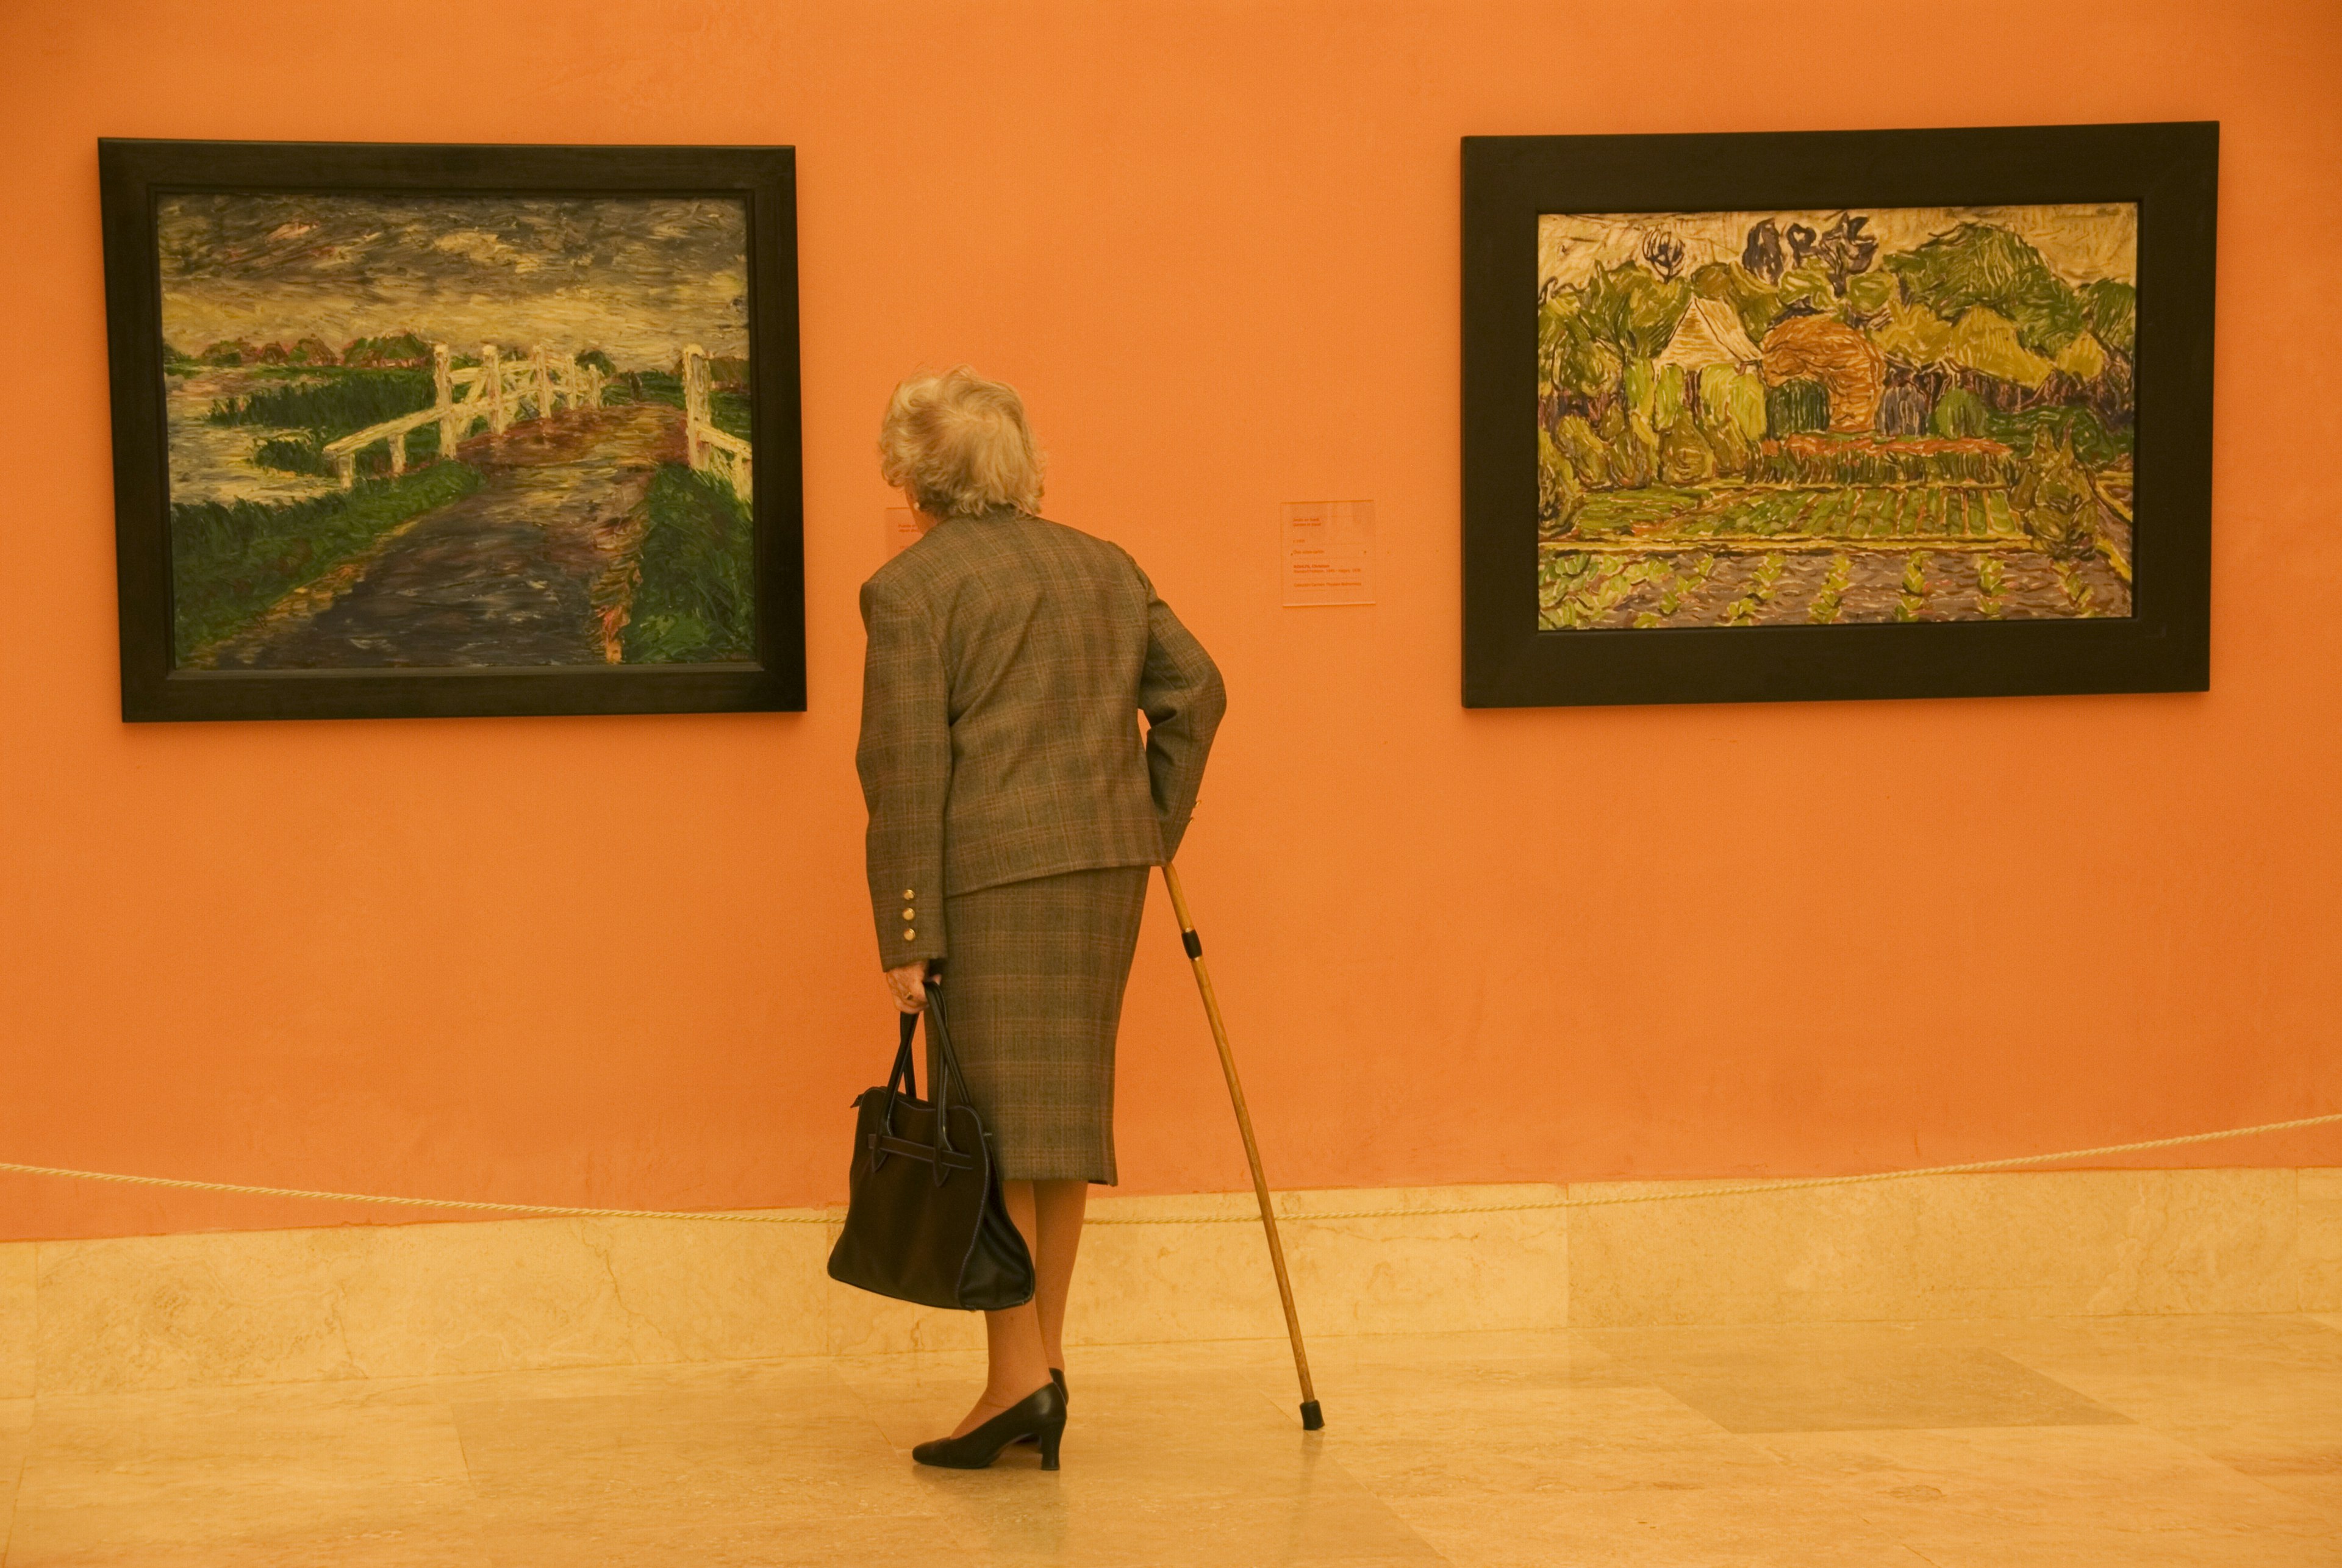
134,174
2170,169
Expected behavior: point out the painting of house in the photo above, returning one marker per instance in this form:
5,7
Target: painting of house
1765,418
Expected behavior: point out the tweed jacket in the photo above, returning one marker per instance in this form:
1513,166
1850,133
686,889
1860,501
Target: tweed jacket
1008,660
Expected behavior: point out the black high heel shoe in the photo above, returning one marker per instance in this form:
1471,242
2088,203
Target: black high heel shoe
1057,1376
1040,1414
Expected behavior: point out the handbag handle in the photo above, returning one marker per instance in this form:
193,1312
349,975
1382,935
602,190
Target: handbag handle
902,1079
905,1074
947,1074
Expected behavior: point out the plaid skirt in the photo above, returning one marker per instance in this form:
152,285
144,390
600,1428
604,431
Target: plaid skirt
1033,983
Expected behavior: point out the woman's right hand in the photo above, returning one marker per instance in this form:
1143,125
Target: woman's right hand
909,986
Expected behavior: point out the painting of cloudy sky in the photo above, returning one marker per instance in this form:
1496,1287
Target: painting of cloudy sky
634,276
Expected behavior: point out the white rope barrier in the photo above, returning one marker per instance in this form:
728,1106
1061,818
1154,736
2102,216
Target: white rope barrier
1680,1194
547,1209
1606,1200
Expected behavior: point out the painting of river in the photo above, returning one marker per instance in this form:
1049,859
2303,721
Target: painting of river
217,462
457,432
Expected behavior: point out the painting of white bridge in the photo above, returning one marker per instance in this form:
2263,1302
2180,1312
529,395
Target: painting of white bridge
497,390
535,566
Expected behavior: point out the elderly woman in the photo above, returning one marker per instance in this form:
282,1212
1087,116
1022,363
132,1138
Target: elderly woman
1014,816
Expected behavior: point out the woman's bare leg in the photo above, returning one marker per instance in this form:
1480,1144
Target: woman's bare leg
1059,1207
1017,1364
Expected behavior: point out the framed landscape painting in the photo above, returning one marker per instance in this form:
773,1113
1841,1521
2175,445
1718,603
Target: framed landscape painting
436,430
1758,417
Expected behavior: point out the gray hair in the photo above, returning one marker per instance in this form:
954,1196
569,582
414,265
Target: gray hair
960,446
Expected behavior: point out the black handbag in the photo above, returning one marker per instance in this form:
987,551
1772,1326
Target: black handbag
924,1221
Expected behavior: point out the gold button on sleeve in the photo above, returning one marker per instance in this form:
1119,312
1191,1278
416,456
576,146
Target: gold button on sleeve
908,893
908,934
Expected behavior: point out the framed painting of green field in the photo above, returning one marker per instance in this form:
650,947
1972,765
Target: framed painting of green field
408,430
1837,415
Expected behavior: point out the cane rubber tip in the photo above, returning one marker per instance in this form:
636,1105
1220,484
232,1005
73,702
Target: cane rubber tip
1312,1418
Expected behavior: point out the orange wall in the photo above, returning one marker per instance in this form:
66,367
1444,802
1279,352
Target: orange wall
627,961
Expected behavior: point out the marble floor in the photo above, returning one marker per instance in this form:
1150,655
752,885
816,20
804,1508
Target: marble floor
2063,1443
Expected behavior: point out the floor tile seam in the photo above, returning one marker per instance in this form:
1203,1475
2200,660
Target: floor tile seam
1325,1460
387,1380
1855,1493
1905,1321
62,1400
2122,1423
39,1295
494,1530
2331,1509
861,1403
2117,1403
1688,1408
2118,1528
420,1380
39,1358
2134,1429
515,1523
16,1490
1891,1519
1886,1531
490,1393
444,1415
85,1482
476,1510
2076,1433
1740,1448
1841,1515
1771,1489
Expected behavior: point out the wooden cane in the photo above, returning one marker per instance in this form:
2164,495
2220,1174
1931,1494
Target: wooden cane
1312,1417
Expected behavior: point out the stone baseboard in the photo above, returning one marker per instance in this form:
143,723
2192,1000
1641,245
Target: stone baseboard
402,1301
